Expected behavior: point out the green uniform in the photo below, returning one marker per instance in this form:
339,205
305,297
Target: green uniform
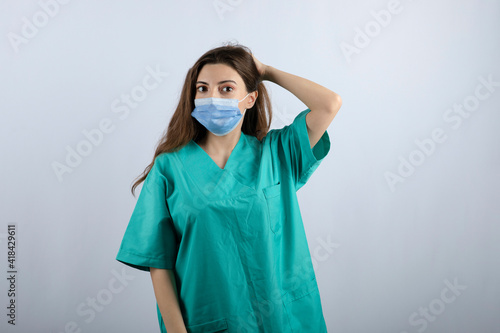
233,236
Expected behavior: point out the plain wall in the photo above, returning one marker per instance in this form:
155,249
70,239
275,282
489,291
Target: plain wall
402,216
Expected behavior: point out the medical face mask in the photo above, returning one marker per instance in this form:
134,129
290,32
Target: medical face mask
219,115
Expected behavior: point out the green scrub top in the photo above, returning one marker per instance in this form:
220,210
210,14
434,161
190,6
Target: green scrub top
234,236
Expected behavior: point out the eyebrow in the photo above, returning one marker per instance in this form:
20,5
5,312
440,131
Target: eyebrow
221,82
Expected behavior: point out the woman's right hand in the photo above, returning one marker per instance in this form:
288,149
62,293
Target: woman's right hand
261,68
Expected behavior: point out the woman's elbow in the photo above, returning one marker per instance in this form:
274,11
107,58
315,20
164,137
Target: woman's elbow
335,103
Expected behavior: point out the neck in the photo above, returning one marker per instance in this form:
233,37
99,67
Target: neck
220,145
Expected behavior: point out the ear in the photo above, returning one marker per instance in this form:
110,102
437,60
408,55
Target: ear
251,99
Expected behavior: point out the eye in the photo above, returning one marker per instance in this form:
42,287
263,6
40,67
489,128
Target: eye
201,88
227,89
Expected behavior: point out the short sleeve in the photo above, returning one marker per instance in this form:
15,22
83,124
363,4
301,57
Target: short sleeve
294,149
150,240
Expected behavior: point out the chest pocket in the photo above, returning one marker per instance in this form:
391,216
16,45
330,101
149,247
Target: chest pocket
274,206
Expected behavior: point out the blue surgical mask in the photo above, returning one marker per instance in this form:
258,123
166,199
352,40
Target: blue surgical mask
219,115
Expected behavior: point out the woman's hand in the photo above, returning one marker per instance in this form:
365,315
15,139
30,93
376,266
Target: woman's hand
260,67
322,102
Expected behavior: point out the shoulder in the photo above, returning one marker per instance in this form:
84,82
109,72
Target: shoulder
298,124
252,141
166,161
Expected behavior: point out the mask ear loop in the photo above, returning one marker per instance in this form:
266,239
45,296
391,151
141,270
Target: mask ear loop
244,98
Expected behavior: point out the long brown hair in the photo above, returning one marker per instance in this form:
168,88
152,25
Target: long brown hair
183,127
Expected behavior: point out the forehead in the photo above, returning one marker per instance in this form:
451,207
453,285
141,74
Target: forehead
213,73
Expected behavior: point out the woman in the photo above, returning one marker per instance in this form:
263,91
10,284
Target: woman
217,223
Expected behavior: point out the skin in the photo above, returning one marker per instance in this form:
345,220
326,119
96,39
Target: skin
323,103
218,80
165,290
222,81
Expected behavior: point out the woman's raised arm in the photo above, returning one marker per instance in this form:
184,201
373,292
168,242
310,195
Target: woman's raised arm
323,103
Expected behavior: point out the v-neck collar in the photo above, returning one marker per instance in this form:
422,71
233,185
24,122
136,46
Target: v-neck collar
230,160
242,167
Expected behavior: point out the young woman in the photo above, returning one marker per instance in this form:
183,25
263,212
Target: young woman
217,223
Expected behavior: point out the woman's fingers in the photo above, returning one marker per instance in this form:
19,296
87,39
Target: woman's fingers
260,66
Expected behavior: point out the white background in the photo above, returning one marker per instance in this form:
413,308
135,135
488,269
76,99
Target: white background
393,249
